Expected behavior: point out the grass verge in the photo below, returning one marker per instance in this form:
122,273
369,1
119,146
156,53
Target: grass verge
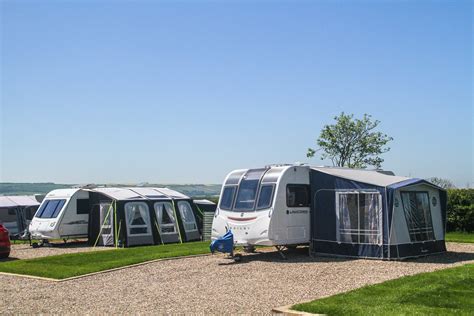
70,265
444,292
460,237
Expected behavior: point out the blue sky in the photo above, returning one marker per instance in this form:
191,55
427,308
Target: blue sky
184,92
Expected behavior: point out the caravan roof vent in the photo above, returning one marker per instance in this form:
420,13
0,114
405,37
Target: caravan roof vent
278,165
84,186
387,172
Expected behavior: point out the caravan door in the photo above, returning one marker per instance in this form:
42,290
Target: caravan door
106,223
298,213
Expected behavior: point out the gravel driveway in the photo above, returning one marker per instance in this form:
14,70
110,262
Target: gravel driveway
212,285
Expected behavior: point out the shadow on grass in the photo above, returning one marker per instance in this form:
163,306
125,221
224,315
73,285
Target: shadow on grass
8,259
69,244
448,257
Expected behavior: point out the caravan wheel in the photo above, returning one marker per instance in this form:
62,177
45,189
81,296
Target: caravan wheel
249,249
238,258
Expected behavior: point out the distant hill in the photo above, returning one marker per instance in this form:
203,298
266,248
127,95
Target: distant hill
29,188
193,190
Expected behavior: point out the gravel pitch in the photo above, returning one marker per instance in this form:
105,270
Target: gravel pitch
213,284
25,251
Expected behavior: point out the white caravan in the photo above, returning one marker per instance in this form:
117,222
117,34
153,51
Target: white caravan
63,214
268,206
347,212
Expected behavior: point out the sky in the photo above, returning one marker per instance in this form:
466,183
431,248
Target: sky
186,91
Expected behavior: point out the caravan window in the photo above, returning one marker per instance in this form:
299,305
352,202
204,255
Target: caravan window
358,217
265,197
297,195
246,195
416,206
138,218
50,208
187,215
227,198
82,206
165,215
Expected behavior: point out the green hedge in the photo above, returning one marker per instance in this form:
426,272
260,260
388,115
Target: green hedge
460,210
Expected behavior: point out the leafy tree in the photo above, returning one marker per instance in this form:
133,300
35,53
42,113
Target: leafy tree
352,143
442,183
460,212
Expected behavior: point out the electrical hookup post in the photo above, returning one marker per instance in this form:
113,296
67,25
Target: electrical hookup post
225,244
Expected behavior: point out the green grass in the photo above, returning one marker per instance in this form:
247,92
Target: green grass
19,241
22,241
444,292
69,265
460,237
55,241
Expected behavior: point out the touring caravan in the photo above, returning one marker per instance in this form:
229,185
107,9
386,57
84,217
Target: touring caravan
267,206
337,211
63,214
16,212
108,216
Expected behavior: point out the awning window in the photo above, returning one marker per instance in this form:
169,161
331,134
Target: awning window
359,217
164,214
138,218
187,216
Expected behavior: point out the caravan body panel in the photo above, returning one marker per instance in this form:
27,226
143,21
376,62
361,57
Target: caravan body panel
275,217
64,213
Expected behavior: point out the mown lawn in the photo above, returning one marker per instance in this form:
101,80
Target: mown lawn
460,237
444,292
69,265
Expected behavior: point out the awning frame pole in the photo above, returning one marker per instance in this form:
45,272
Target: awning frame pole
115,224
102,226
177,222
159,231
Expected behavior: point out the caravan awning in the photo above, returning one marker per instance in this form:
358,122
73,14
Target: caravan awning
137,193
373,177
18,200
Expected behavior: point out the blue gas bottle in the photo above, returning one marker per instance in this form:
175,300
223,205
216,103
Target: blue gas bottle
223,244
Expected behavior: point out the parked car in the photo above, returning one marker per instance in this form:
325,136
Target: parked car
4,242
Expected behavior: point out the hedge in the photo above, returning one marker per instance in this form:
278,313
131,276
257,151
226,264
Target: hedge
460,212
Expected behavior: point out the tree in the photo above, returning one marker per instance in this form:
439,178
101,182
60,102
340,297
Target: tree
352,143
442,183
